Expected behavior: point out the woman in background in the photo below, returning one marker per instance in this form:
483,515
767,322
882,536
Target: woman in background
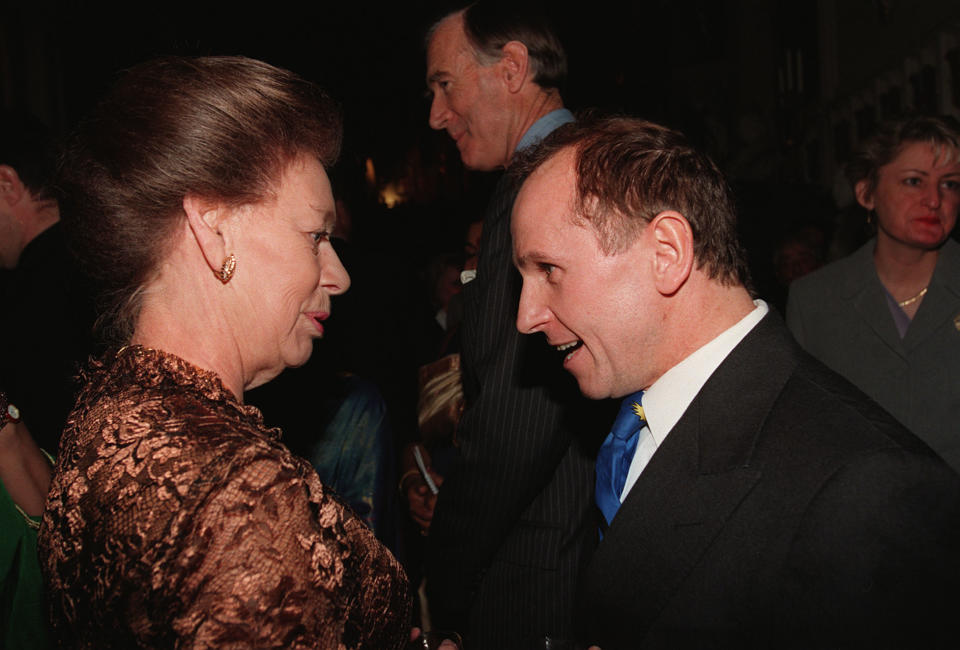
197,196
888,316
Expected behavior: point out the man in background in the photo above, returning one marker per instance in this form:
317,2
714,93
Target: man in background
511,525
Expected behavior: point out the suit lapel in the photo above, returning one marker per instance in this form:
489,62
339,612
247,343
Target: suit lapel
863,288
697,478
942,303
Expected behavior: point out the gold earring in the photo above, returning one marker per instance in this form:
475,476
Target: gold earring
227,268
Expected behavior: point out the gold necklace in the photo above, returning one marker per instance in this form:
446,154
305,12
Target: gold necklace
910,301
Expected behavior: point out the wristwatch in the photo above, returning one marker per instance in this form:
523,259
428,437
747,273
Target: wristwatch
8,412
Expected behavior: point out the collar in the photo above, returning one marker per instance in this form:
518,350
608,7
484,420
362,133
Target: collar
665,402
145,367
859,271
948,267
668,397
544,127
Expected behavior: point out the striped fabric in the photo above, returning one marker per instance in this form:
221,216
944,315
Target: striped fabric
515,517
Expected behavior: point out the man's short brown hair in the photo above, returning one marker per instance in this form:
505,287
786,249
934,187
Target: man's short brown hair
629,171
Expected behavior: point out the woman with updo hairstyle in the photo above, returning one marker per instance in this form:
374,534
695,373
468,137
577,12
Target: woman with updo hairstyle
888,316
197,197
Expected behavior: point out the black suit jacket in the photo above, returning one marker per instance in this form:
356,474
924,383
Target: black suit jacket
514,518
784,509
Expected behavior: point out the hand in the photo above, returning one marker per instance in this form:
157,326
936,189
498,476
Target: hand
24,470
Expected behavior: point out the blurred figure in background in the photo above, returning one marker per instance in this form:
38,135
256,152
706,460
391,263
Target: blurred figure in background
888,316
47,324
24,479
513,520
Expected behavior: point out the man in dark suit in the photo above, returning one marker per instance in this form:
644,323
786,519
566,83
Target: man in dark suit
514,515
750,497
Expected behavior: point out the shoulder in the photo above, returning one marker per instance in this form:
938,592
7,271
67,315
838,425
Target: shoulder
875,548
877,483
857,462
948,264
143,426
830,419
843,274
804,411
819,303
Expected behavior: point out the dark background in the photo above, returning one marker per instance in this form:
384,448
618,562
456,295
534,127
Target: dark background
777,92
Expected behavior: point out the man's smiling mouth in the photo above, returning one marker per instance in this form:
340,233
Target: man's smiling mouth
568,348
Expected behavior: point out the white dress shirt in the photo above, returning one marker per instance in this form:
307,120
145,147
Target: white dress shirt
668,398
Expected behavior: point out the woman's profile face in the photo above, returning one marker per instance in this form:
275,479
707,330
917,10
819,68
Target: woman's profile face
287,271
917,195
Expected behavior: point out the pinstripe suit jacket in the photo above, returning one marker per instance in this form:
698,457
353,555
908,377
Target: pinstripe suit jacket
784,510
515,516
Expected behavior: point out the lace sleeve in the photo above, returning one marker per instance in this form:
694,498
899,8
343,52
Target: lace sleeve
288,566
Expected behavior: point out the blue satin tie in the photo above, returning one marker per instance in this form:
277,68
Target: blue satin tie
616,453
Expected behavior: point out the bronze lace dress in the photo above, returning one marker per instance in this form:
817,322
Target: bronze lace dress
176,519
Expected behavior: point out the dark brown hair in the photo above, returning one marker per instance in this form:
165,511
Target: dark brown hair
891,137
223,128
629,171
492,24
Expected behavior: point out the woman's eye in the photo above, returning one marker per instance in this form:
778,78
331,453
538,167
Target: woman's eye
546,268
912,181
318,238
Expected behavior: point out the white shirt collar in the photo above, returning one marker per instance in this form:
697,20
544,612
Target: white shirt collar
665,402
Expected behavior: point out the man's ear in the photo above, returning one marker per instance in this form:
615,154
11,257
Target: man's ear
864,196
11,187
672,241
515,64
205,218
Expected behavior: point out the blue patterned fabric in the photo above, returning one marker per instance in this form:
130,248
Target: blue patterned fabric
354,456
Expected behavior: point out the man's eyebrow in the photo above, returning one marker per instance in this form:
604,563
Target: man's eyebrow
435,76
530,257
